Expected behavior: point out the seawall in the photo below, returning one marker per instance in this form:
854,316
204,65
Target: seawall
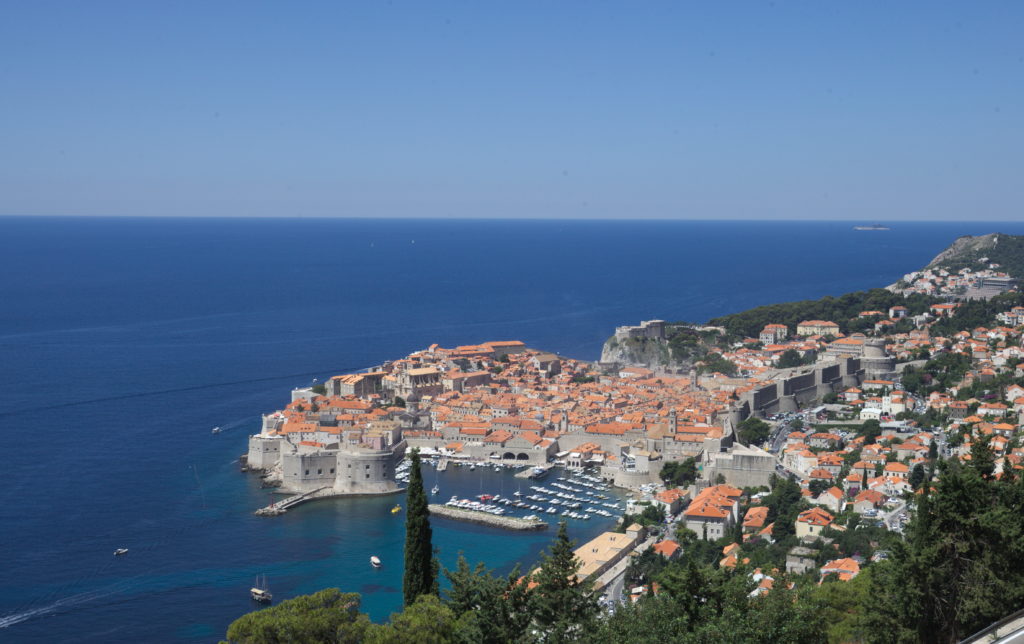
472,516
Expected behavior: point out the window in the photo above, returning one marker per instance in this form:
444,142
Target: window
332,470
320,471
307,472
367,475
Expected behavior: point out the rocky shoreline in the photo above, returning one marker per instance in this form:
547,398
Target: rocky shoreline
472,516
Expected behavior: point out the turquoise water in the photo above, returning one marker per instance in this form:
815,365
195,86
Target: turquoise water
123,341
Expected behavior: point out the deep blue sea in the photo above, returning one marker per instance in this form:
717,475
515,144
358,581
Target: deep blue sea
124,341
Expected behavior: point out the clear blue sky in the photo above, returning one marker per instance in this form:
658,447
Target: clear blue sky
778,110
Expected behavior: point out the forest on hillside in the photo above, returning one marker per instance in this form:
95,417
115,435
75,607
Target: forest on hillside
842,310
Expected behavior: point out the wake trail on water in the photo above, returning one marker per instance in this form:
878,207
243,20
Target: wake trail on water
7,621
50,604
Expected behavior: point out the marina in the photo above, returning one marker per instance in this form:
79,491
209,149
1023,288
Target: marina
574,497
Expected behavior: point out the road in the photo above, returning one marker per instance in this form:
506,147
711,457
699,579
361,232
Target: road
892,518
613,580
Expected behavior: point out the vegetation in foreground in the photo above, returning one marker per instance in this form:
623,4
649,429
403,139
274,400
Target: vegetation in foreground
960,568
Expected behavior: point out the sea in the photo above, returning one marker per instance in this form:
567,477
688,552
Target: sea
124,341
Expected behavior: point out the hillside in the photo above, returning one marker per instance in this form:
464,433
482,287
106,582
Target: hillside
998,248
842,310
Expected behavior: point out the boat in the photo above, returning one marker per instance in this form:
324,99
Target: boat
215,430
396,509
435,489
374,561
261,592
120,551
872,227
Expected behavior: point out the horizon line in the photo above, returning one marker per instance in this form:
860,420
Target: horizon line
503,219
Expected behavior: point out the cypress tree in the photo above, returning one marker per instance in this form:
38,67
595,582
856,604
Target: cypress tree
419,564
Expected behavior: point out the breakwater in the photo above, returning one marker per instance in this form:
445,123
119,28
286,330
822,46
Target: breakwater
484,518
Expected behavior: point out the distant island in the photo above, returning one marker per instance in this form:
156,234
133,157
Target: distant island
872,227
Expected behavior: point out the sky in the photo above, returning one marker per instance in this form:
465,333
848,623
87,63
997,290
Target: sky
865,111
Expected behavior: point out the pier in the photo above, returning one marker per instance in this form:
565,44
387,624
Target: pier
284,505
535,472
484,518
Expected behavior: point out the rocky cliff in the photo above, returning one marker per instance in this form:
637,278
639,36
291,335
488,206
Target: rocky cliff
637,351
965,246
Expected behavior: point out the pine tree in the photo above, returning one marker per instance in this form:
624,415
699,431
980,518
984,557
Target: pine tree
420,568
917,476
564,607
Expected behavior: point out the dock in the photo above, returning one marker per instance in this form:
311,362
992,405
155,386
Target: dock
284,505
442,465
530,473
485,518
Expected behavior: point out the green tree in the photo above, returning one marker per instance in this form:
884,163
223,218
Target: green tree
419,578
326,616
679,473
491,610
426,621
754,431
784,504
983,461
564,607
817,486
916,476
962,567
714,362
871,430
790,358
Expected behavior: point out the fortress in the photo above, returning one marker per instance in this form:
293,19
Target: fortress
654,329
843,370
366,465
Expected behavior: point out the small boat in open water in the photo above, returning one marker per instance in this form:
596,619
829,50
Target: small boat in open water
215,430
374,561
261,592
396,509
435,489
120,551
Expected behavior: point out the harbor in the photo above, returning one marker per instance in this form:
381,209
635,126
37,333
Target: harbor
577,497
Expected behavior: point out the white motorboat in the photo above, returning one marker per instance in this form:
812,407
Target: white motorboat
374,561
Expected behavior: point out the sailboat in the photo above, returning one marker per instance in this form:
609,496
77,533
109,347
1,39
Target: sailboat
436,488
261,592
